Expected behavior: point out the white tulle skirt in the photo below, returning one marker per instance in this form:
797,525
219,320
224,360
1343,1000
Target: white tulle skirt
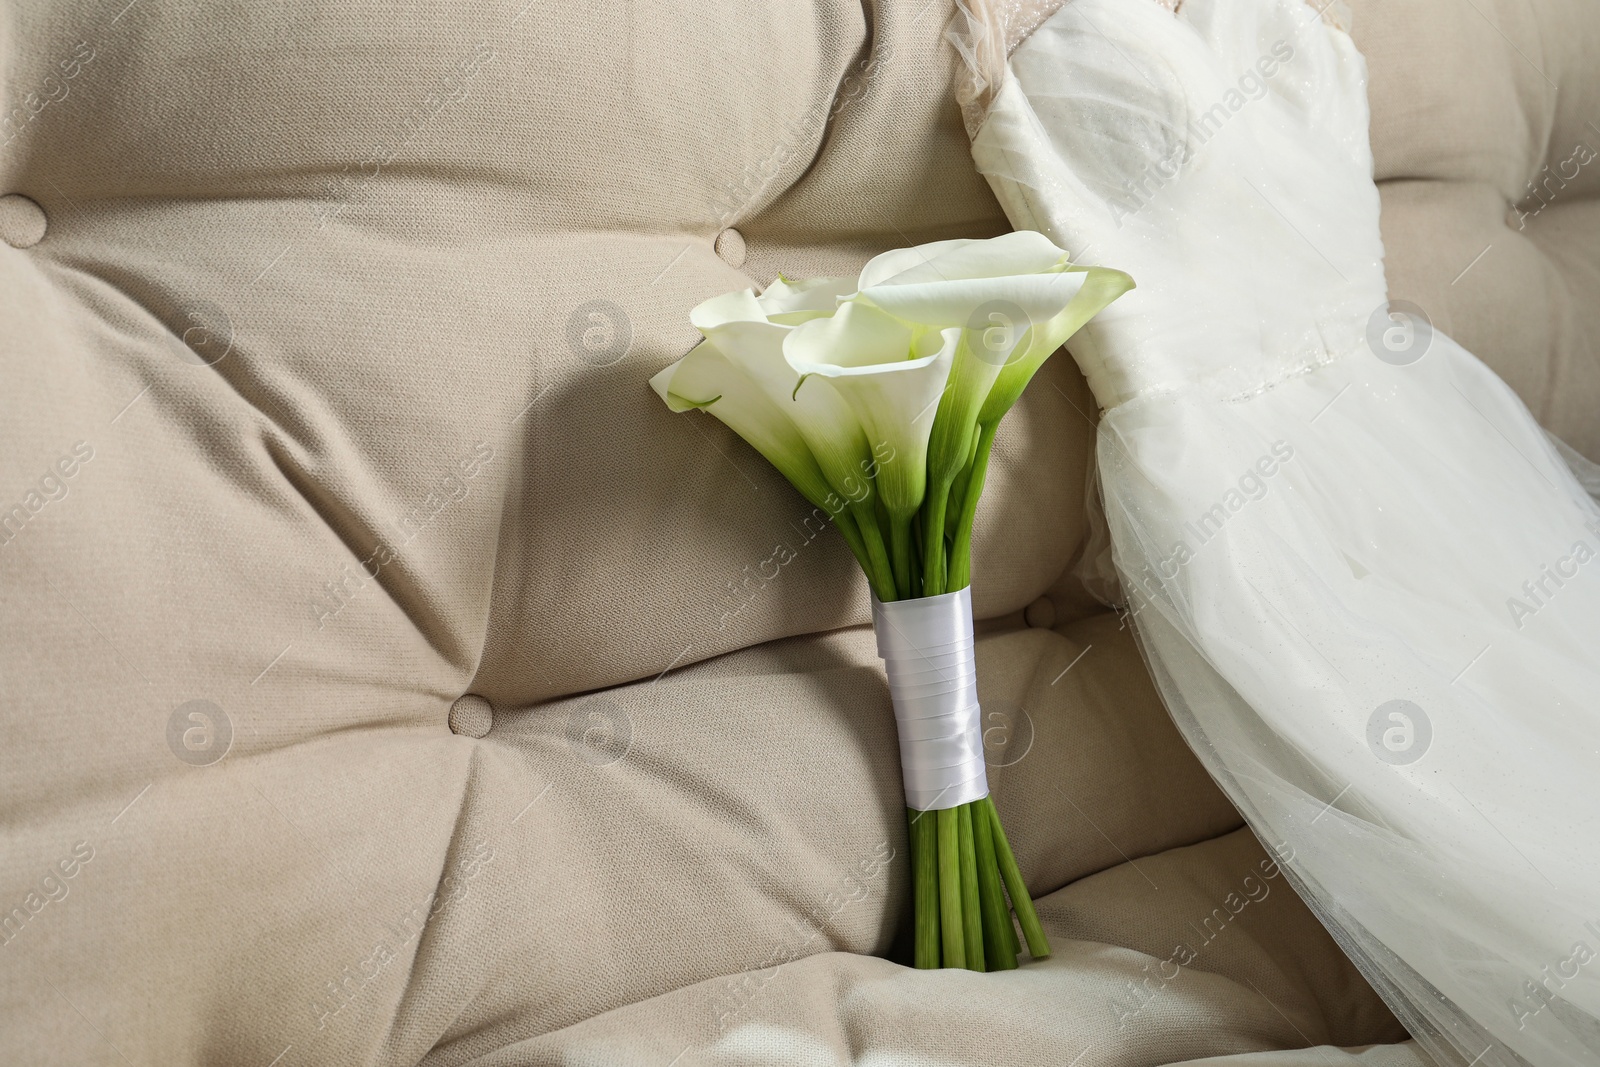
1365,581
1370,596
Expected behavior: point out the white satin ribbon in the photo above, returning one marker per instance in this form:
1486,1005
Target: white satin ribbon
927,650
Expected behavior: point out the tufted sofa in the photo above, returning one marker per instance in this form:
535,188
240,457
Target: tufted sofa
389,679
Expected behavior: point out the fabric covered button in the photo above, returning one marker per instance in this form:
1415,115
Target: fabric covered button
1041,614
730,246
471,716
22,222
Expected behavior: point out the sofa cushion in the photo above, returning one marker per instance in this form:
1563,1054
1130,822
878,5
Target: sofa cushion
326,405
325,332
1231,986
1487,154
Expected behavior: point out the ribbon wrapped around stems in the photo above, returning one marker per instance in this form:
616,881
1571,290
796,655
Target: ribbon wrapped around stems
927,650
962,866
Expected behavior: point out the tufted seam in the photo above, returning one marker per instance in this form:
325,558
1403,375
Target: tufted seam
394,1037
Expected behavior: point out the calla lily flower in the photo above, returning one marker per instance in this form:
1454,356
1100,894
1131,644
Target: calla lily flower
885,389
1100,286
738,326
947,283
706,379
1009,298
995,291
738,374
791,303
892,375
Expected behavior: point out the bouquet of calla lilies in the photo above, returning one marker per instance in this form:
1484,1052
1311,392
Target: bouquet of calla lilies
878,398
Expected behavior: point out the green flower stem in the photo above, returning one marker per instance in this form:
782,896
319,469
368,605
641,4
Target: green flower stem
955,945
1005,913
961,551
916,559
925,885
958,493
852,537
998,936
956,504
900,553
971,912
1021,903
933,559
880,572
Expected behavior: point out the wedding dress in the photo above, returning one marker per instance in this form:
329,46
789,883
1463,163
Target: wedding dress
1366,583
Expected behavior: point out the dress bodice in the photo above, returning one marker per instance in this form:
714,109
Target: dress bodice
1222,160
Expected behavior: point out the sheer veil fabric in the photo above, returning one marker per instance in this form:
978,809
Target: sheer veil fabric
1366,582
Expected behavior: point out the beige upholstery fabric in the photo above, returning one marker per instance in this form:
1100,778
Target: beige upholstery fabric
324,334
1496,154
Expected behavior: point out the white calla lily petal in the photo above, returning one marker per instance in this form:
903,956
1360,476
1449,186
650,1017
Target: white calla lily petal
1012,255
881,268
891,378
827,424
661,382
857,335
741,305
1028,298
1100,287
814,296
707,379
